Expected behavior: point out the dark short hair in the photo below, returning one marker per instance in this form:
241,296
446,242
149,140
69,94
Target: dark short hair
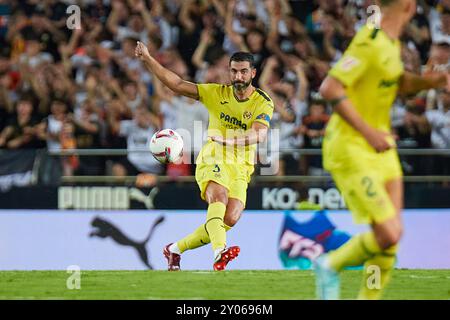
26,96
243,56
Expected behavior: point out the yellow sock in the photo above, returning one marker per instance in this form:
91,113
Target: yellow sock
355,251
196,239
214,225
377,273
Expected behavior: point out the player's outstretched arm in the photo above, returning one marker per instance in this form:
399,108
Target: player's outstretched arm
411,83
257,134
333,91
170,79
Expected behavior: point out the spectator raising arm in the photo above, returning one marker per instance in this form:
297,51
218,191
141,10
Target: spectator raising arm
237,39
184,16
298,66
113,19
139,6
199,54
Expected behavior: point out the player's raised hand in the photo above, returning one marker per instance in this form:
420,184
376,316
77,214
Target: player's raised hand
141,51
379,140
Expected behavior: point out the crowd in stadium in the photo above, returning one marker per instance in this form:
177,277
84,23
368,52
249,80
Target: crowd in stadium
64,88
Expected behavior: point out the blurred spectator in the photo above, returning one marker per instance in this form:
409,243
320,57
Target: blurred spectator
94,73
55,123
22,131
439,18
313,128
417,33
138,133
413,131
86,131
289,108
439,119
52,167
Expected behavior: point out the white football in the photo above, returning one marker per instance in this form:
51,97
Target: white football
166,146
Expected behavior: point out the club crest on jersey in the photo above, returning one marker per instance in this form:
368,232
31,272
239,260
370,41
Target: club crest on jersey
349,62
247,115
233,120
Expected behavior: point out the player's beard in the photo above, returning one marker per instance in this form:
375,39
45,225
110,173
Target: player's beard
241,85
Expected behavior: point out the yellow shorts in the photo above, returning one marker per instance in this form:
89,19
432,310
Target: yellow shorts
362,184
233,177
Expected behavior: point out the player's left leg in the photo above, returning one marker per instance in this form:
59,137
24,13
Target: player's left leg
383,264
240,175
232,215
234,211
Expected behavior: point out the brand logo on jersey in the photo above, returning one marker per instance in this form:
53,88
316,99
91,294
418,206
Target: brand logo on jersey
247,115
349,62
387,83
223,102
233,120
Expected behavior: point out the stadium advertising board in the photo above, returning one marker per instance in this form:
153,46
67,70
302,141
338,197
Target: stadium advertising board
16,168
109,240
188,198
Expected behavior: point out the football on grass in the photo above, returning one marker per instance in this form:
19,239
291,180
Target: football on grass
166,146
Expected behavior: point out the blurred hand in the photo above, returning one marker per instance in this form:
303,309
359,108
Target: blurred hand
117,5
206,36
145,180
91,83
272,62
141,51
47,23
231,5
29,131
295,63
379,140
139,6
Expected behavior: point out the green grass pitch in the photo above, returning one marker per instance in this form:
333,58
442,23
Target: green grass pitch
227,285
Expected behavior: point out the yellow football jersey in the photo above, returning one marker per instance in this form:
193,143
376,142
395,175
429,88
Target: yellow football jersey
370,70
230,117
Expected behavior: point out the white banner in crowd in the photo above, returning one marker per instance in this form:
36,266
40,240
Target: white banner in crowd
114,240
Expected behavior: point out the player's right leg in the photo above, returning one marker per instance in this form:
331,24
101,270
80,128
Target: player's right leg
368,200
388,235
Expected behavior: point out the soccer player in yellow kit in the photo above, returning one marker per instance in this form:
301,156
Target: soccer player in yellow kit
239,116
359,150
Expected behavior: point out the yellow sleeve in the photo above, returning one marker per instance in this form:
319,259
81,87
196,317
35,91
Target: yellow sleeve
354,63
208,94
264,113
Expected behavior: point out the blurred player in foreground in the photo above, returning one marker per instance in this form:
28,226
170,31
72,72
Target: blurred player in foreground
360,152
239,116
